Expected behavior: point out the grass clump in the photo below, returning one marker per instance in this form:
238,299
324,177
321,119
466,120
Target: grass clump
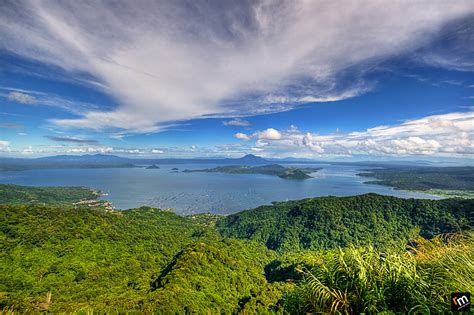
367,280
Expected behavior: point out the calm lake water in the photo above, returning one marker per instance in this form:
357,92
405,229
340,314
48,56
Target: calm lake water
203,192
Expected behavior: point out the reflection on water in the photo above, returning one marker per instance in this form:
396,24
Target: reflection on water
203,192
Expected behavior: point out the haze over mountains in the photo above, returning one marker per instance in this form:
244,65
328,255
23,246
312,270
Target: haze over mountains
104,160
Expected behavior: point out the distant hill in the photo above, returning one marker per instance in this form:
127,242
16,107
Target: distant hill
88,158
66,161
103,161
424,178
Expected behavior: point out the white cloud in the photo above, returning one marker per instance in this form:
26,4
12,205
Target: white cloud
20,97
234,149
326,97
448,134
4,144
268,134
166,62
100,150
76,150
236,122
28,151
22,134
242,136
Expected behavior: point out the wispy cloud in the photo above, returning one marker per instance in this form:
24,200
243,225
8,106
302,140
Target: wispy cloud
236,122
71,139
448,134
169,61
31,97
20,97
242,136
4,144
455,50
11,126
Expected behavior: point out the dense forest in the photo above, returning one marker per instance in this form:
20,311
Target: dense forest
66,259
14,194
330,222
424,178
366,253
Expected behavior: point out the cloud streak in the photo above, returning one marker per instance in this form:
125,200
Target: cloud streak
11,126
71,139
166,62
237,122
20,97
30,97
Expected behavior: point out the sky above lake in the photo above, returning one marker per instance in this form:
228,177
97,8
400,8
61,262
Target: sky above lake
313,79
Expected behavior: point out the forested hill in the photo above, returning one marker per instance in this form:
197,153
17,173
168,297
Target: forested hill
14,194
329,222
424,178
60,258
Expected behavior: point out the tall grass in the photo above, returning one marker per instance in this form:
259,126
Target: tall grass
368,280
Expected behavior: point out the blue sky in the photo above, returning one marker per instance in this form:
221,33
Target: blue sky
323,80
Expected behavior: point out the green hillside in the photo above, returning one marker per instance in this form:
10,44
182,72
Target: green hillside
58,258
329,222
114,261
14,194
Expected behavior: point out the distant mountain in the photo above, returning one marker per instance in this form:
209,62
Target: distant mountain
249,159
103,161
66,161
293,160
89,158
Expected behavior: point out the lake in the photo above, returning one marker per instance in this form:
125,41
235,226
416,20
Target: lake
204,192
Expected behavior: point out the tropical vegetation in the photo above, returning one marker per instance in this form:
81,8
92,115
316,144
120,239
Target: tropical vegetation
366,253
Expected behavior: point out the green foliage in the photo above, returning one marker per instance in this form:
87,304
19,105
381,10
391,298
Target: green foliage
465,194
219,277
329,222
65,259
59,258
14,194
425,178
366,280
